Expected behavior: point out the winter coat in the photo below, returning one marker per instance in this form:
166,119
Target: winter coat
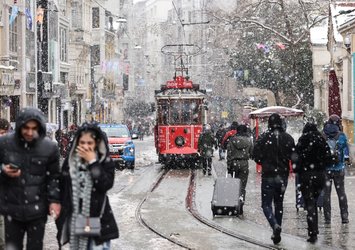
239,149
206,142
219,135
103,172
274,149
332,131
313,152
27,197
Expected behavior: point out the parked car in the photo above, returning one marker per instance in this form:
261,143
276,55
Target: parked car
121,146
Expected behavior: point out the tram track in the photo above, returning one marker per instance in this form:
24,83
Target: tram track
144,223
191,207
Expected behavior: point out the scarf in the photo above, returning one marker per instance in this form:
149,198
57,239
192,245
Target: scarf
82,185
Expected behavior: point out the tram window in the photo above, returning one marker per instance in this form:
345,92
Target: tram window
186,112
174,112
196,113
163,112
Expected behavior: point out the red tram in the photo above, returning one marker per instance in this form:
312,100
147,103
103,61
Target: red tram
181,112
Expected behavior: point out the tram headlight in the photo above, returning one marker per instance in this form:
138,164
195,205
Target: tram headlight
179,141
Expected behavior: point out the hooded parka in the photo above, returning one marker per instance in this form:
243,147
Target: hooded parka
274,149
102,172
27,197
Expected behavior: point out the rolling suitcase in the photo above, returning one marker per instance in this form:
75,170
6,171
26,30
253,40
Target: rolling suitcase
226,196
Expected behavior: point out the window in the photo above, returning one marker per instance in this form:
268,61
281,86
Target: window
63,77
13,35
63,45
95,55
76,15
96,17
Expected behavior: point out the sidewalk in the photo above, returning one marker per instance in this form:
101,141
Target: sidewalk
335,235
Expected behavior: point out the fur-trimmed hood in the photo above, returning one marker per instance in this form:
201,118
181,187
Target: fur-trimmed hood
102,147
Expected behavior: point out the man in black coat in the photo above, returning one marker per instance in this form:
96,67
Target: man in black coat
313,153
29,180
273,150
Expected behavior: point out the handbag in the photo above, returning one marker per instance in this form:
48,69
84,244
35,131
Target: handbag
89,226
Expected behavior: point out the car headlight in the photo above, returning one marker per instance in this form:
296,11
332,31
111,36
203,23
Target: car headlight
131,150
179,141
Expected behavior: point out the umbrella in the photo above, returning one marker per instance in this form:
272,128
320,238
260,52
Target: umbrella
334,105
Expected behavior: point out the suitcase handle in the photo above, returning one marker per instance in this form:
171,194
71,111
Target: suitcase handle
232,175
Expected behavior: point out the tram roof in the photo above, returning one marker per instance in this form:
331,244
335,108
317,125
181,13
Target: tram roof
180,93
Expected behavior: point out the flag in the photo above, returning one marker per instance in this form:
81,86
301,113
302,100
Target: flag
334,105
28,18
40,14
260,46
281,46
14,12
39,21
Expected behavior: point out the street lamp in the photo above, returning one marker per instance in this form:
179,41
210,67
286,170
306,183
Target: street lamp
347,42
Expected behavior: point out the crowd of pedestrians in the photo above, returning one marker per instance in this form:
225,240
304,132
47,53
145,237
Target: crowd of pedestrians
75,192
318,159
33,185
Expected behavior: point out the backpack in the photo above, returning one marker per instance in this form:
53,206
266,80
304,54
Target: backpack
334,150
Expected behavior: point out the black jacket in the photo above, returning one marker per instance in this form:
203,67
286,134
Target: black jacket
27,197
313,152
274,149
103,173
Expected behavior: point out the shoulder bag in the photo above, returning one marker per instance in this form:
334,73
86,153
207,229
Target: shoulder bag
89,226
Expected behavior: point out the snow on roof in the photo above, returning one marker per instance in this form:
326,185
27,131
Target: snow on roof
284,111
7,67
339,19
319,33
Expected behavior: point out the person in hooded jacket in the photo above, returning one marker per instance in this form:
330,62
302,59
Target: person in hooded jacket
206,143
274,150
219,136
336,171
29,180
313,153
87,174
239,151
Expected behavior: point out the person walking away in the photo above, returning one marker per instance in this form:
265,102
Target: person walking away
87,175
335,170
206,142
232,131
219,137
4,129
312,156
29,180
239,150
273,150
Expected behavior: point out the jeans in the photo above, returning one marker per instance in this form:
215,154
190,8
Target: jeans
338,177
2,232
273,191
15,231
104,246
312,185
206,164
240,171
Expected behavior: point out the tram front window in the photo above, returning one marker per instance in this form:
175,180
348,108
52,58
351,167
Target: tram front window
184,112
